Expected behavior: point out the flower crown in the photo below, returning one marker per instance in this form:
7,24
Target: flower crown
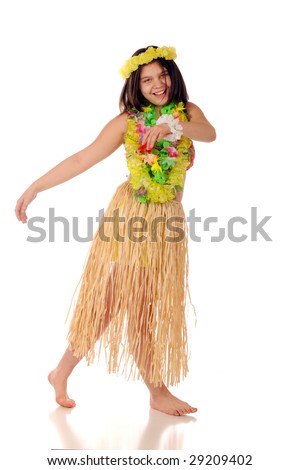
152,53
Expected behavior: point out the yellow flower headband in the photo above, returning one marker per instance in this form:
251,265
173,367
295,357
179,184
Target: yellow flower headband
132,64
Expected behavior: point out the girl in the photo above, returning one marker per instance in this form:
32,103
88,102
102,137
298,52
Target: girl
134,288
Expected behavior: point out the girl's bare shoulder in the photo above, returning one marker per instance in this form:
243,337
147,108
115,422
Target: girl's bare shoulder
115,128
120,121
193,110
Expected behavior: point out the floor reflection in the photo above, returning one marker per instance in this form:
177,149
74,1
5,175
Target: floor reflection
164,429
157,431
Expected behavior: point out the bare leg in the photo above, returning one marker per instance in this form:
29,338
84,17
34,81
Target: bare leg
161,398
59,376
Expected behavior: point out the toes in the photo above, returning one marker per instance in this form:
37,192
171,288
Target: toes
190,409
69,404
171,411
172,406
66,402
182,409
185,408
185,411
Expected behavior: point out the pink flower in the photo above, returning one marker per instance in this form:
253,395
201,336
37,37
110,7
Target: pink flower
142,191
172,151
140,128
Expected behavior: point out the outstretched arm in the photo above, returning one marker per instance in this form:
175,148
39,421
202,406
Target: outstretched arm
109,139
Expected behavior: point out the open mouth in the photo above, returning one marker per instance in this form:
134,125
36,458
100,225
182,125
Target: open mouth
160,93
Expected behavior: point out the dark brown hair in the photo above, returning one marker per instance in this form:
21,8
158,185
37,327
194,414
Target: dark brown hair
131,96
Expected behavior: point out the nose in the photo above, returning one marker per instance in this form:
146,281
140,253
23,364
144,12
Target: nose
159,82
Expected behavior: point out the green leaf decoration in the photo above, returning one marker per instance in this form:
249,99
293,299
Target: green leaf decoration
166,143
164,153
160,178
142,198
167,163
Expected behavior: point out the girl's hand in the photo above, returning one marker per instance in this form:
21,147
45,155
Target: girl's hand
23,202
155,133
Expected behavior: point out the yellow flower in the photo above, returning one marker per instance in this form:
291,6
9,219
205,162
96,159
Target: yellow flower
179,107
155,166
152,53
146,109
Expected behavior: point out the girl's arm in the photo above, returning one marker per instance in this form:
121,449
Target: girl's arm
109,139
198,127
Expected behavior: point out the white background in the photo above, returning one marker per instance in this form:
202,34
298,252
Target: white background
59,86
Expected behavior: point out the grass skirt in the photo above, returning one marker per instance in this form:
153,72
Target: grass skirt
132,297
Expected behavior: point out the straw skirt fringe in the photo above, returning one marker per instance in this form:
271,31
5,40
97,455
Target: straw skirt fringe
132,297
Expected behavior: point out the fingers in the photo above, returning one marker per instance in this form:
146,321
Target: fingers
20,210
23,202
147,140
150,138
154,134
17,209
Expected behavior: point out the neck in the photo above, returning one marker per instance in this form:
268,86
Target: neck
158,110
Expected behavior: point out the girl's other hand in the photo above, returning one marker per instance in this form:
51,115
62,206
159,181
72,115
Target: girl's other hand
155,133
23,202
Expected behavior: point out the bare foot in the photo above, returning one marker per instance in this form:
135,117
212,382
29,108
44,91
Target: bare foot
60,387
163,400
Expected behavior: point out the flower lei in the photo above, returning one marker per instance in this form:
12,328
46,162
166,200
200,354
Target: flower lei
157,173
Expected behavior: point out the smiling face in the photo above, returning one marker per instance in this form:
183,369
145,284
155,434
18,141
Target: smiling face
155,83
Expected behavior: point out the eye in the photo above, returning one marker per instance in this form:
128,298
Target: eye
147,80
